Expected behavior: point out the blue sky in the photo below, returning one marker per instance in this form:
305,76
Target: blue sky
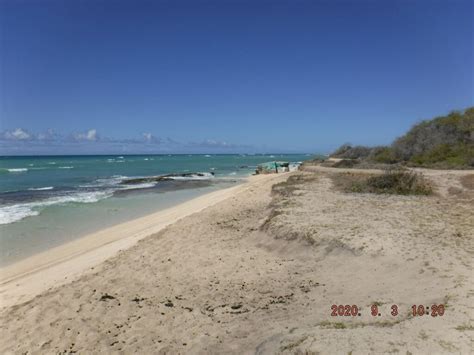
97,76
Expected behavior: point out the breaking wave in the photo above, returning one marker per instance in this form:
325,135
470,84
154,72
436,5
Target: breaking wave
41,188
195,176
14,213
87,193
16,170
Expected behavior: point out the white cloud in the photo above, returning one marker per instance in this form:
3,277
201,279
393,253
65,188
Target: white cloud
49,135
150,138
17,134
91,135
21,140
211,143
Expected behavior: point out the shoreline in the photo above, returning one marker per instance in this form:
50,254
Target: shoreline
61,264
61,224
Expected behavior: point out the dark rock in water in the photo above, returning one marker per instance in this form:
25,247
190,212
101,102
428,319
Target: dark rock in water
145,179
159,178
243,166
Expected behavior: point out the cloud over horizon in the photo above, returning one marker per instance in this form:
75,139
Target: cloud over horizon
90,135
16,134
21,141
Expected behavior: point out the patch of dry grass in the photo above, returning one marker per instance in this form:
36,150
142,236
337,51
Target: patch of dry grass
345,181
293,183
464,327
397,182
345,163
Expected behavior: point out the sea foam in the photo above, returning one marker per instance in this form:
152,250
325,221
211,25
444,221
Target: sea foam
14,213
197,176
17,170
10,214
41,188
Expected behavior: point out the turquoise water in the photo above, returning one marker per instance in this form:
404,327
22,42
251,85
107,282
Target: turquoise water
48,200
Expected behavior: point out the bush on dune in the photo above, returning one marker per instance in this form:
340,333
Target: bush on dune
346,151
445,156
383,155
341,150
443,142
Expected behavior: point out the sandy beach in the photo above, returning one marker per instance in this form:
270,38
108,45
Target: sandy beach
60,264
255,269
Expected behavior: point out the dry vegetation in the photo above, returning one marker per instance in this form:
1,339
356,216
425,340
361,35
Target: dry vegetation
398,182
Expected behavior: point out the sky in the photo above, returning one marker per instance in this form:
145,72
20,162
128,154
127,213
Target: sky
103,76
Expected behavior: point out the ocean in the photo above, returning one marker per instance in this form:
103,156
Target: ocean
46,201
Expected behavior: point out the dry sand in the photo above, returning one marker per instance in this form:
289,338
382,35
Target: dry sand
19,282
257,272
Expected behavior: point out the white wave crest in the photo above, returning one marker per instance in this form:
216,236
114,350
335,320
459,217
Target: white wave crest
145,185
17,170
41,188
15,213
10,214
105,182
199,176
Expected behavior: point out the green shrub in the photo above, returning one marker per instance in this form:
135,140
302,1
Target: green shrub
446,156
444,142
384,155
